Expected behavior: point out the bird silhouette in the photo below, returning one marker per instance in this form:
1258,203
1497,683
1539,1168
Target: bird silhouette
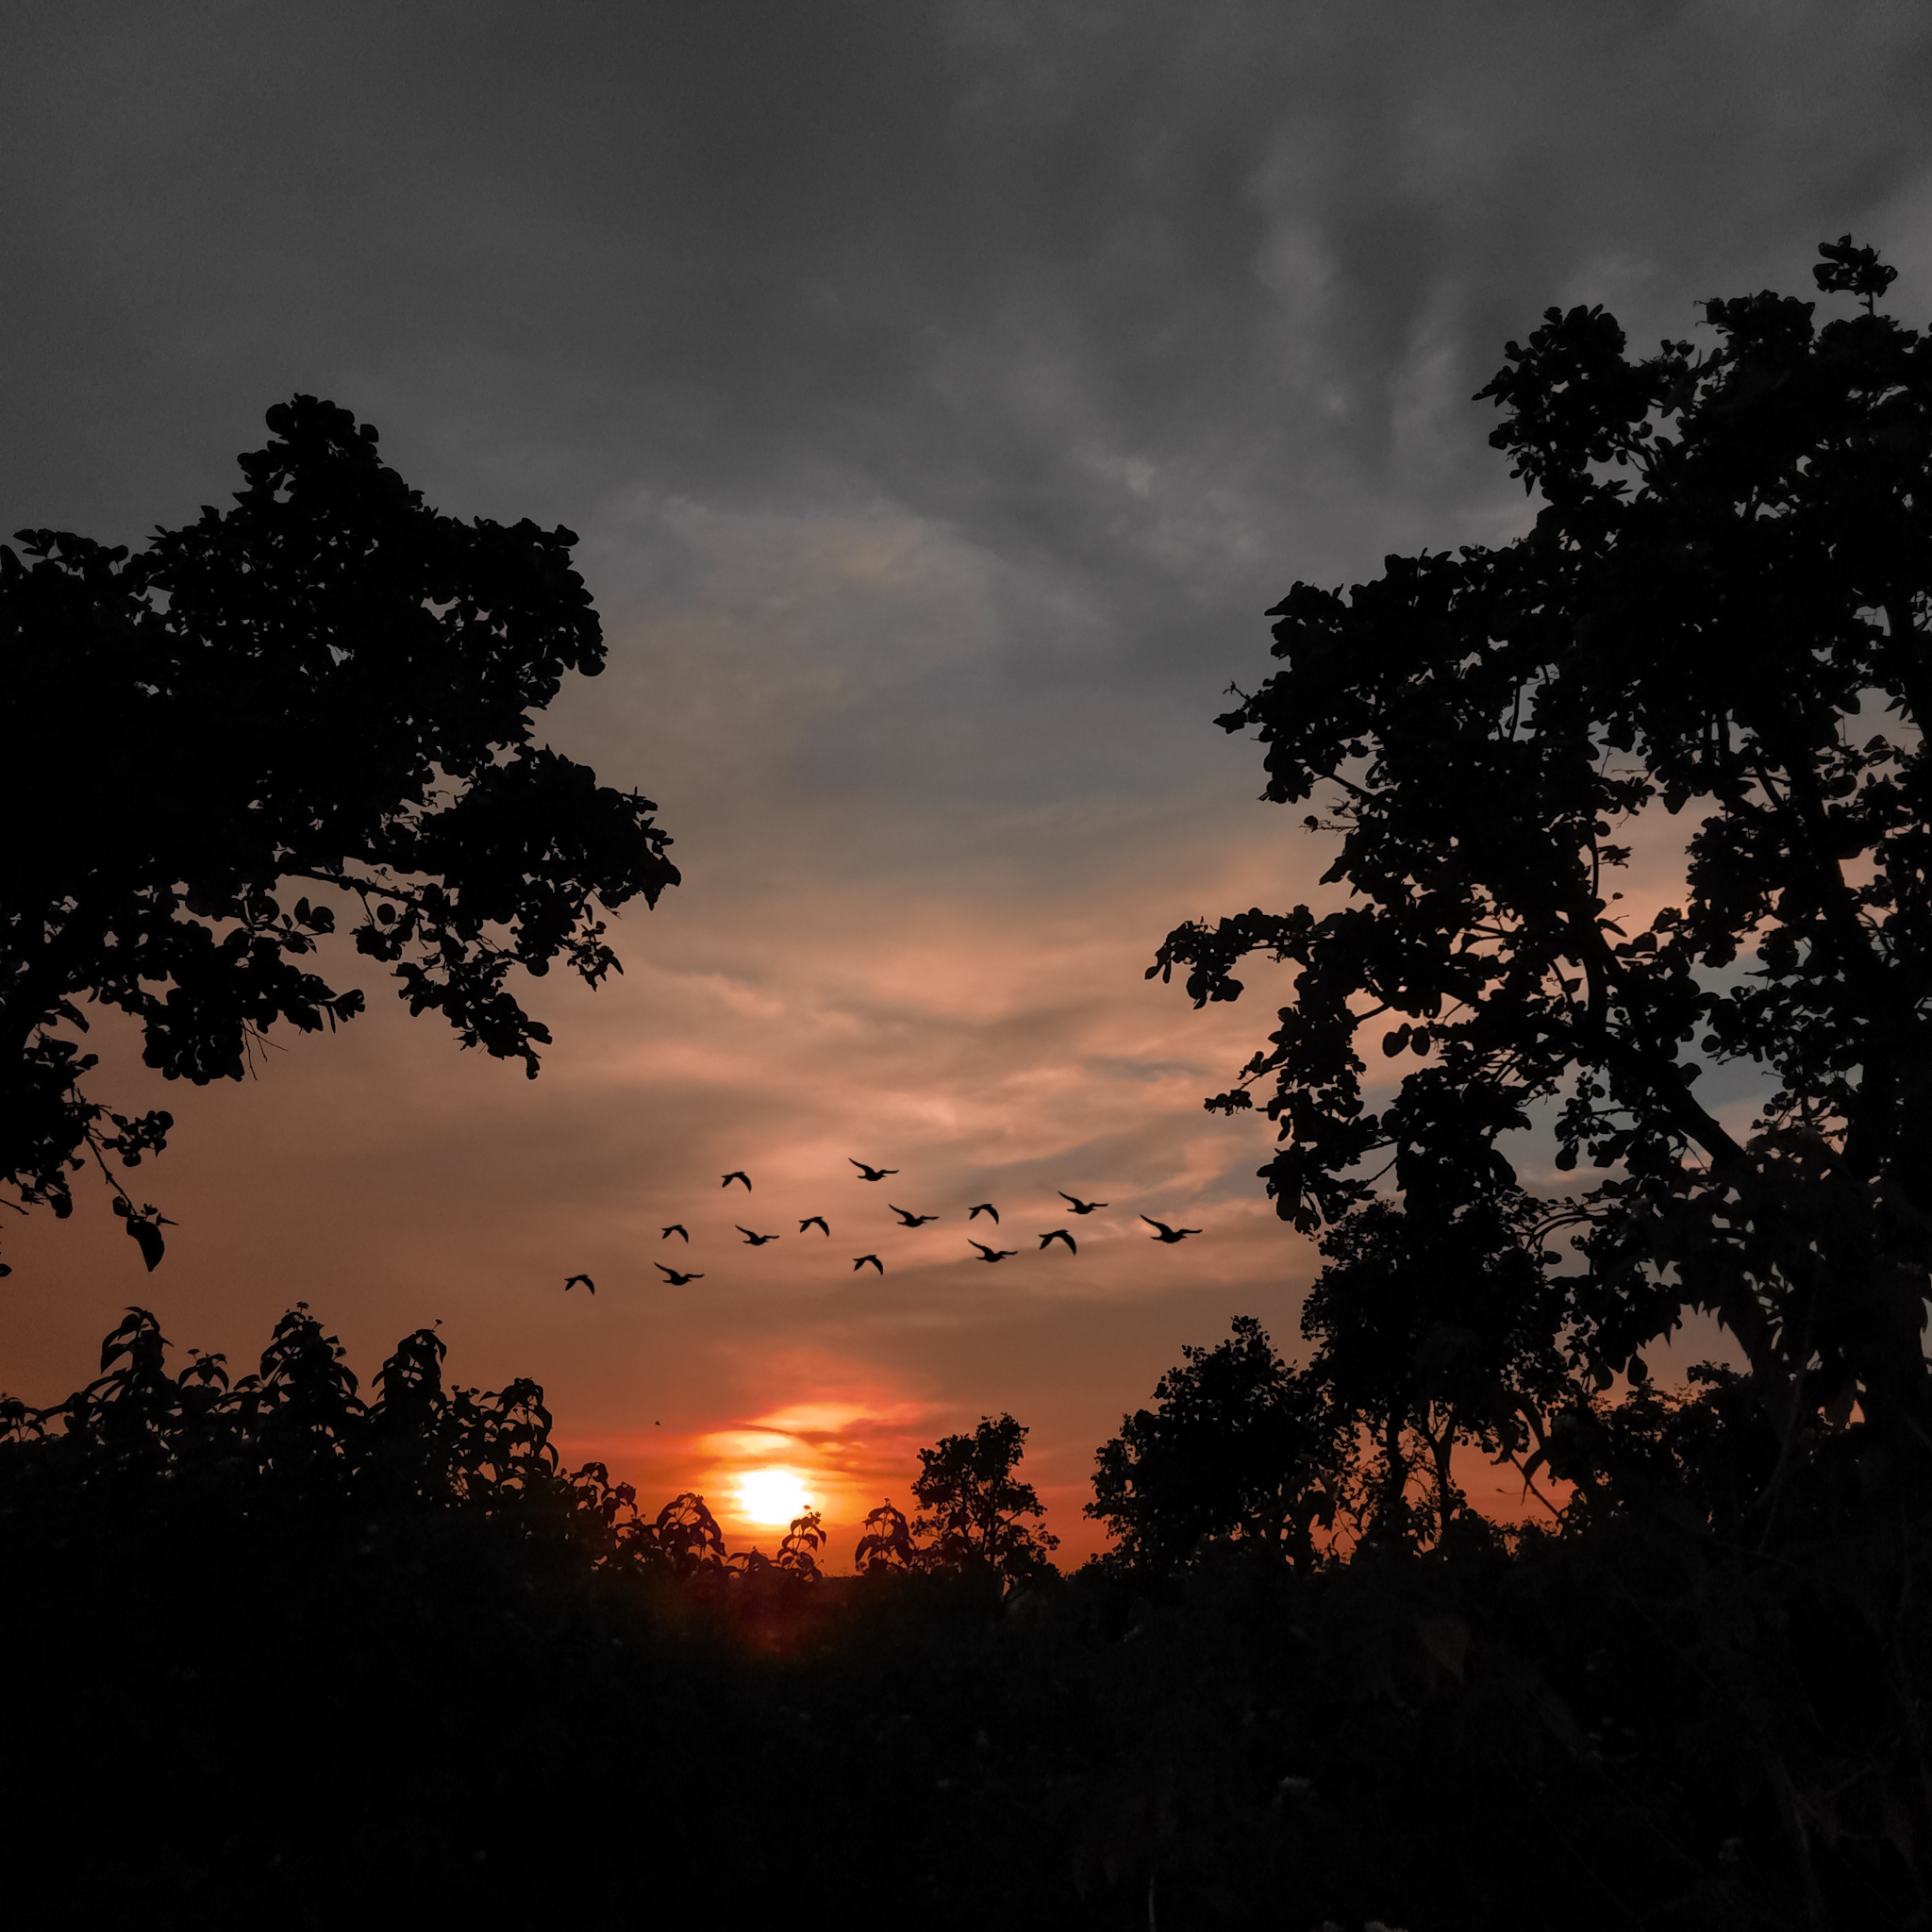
583,1278
1081,1206
906,1220
676,1227
864,1259
737,1173
1059,1233
754,1241
1167,1233
817,1221
987,1254
673,1276
986,1207
870,1174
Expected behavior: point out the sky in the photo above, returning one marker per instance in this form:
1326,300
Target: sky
941,395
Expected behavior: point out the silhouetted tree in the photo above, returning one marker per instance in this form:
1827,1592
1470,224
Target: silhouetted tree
1240,1448
1431,1332
1718,623
319,698
973,1504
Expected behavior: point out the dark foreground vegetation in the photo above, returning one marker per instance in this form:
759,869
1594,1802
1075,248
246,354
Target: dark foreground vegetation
274,1653
278,1654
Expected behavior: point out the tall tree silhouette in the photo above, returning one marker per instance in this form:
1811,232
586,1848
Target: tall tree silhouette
1714,634
319,698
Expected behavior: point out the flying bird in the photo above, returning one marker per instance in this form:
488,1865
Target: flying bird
986,1207
1081,1206
987,1254
1167,1233
817,1221
737,1173
583,1278
676,1227
864,1259
1059,1233
870,1174
754,1241
906,1220
673,1276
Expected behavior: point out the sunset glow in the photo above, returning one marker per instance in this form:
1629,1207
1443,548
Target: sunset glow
772,1497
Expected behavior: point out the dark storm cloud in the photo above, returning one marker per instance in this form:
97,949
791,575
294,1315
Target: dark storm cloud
1112,288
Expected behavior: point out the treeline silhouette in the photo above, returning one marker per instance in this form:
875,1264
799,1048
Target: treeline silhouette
287,1652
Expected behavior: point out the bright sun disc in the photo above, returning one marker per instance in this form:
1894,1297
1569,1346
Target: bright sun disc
770,1496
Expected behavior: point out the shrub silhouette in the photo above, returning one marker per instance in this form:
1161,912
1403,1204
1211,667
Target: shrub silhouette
887,1543
295,1440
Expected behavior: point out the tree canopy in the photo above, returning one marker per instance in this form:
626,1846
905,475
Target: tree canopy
1712,638
319,698
976,1510
1239,1448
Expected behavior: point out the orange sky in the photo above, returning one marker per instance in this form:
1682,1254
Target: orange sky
978,1021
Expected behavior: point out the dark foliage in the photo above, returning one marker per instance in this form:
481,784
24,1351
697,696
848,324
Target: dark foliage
1432,1331
320,696
1242,1449
1719,618
276,1654
977,1510
976,1506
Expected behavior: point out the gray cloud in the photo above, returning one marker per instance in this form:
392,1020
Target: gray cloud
1116,318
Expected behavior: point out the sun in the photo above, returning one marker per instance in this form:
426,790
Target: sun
772,1496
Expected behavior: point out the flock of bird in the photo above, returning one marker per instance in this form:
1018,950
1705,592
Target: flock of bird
676,1278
